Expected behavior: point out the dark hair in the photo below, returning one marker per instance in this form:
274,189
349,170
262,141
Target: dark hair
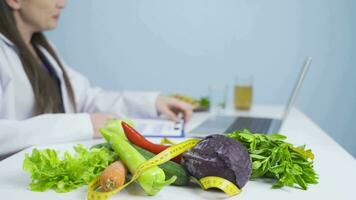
45,88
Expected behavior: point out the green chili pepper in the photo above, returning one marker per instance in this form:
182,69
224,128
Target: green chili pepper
114,125
153,179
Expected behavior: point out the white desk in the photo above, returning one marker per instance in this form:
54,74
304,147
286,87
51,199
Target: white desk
336,168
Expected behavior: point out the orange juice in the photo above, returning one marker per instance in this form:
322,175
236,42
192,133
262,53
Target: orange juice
243,97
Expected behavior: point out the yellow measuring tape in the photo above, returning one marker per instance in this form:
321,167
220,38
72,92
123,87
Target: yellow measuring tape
166,155
218,182
165,141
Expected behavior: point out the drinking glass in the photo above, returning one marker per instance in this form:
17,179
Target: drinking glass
243,92
217,96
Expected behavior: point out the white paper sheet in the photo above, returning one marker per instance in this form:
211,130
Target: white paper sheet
159,127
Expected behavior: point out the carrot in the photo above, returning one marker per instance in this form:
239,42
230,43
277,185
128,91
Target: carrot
113,176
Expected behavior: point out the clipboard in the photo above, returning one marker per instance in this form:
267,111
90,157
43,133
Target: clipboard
160,128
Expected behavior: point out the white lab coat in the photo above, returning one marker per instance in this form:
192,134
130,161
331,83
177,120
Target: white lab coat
20,129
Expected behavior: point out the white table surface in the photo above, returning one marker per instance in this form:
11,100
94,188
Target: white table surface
336,168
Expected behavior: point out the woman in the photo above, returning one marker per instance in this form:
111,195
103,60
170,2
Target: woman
41,99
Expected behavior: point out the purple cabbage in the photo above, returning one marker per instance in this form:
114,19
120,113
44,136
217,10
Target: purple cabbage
217,155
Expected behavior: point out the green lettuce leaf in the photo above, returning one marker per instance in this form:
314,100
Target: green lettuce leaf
49,171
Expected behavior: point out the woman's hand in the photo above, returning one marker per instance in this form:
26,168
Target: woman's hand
170,107
98,120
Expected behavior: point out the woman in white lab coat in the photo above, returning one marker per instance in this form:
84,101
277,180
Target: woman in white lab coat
44,101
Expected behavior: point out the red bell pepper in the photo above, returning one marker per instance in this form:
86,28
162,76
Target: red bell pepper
136,138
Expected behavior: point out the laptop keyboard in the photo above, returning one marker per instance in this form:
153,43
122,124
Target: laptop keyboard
255,125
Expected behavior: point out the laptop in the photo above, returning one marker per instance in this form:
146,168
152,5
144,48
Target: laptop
228,124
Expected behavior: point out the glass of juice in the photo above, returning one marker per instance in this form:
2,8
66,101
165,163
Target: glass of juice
243,92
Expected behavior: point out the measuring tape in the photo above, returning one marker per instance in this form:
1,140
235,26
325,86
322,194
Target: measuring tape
166,155
165,141
218,182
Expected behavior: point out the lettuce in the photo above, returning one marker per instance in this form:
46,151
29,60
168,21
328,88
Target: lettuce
49,171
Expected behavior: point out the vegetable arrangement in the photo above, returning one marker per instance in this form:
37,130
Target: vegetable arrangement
226,162
272,157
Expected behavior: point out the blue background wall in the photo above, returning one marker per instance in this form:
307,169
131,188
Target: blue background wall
184,45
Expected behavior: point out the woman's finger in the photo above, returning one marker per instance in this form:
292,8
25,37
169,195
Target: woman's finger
169,113
187,109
